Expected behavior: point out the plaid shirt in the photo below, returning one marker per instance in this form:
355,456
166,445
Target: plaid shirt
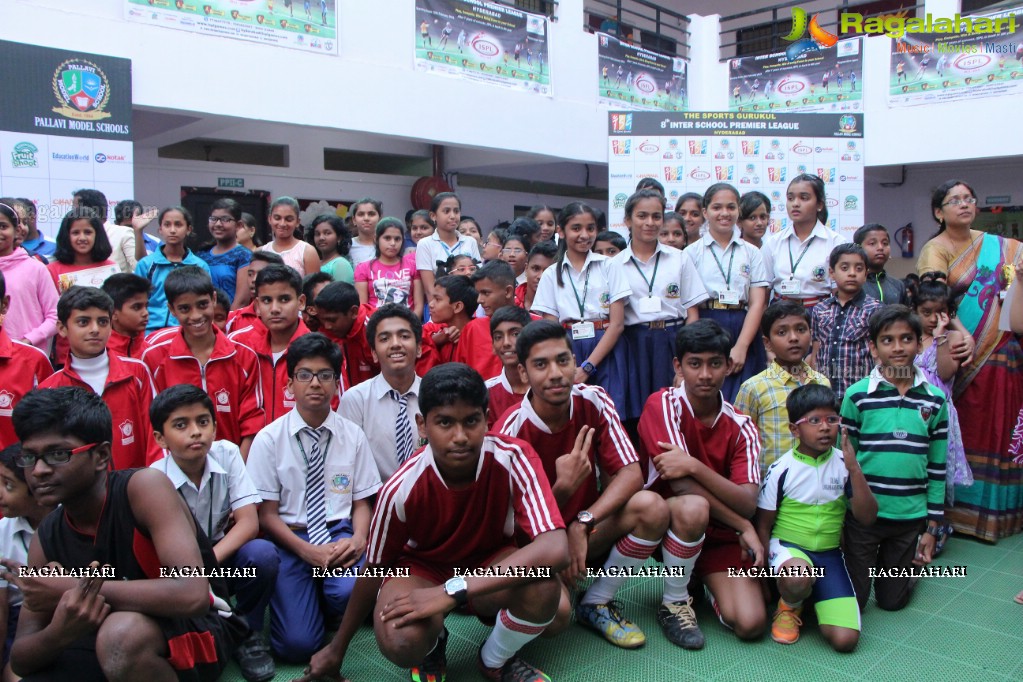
842,332
762,398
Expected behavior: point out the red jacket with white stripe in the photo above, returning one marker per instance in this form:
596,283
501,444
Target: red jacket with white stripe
22,368
128,392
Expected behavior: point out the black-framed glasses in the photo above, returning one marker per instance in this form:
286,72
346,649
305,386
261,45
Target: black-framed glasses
27,460
324,376
225,219
830,420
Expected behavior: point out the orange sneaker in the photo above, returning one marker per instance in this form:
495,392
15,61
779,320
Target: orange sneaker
785,626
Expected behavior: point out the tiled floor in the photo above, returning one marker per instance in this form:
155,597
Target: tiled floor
960,629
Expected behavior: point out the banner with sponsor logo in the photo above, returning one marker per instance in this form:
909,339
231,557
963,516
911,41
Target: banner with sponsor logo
635,78
483,42
65,125
763,151
823,80
309,25
927,68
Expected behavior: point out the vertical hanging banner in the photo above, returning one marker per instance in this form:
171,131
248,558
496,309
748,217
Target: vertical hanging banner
65,125
309,25
966,58
819,80
484,42
690,151
631,77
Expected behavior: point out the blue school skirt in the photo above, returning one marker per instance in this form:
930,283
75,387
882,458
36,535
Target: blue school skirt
612,373
650,353
756,357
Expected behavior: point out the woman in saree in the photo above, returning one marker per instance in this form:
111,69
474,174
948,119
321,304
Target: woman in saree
988,390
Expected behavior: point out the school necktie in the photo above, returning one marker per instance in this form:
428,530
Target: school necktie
316,504
403,429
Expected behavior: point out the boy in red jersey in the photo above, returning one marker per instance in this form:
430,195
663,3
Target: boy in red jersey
22,367
343,320
508,387
495,288
248,315
578,432
452,304
198,353
130,294
702,456
83,318
448,508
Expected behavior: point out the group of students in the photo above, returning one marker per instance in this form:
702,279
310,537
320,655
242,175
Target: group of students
564,414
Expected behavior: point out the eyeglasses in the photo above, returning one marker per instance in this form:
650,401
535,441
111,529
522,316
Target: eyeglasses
832,420
959,201
225,219
465,269
513,252
304,376
27,460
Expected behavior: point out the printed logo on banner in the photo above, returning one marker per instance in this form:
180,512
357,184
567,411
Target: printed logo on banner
724,151
724,172
673,173
831,202
776,173
648,147
750,176
112,158
828,175
621,147
699,174
819,38
775,152
801,148
847,124
851,202
776,196
620,200
621,123
673,196
801,168
751,147
698,147
82,90
24,155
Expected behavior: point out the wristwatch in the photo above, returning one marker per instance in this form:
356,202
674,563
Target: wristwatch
589,368
934,530
458,590
586,518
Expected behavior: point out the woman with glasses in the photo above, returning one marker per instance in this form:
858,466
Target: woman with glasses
228,260
988,389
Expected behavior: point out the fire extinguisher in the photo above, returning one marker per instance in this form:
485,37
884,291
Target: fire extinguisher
904,238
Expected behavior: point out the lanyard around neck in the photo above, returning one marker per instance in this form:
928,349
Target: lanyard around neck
653,278
731,259
586,288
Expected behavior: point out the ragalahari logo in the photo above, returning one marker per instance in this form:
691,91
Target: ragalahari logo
819,38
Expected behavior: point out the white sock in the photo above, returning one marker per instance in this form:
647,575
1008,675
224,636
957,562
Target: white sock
675,552
628,552
508,636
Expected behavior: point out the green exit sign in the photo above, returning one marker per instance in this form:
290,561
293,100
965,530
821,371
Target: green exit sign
231,182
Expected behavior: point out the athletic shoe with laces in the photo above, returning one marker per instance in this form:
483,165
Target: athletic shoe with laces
434,667
607,619
785,626
513,670
678,621
254,659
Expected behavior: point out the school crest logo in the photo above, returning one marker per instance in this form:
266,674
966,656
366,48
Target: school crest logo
672,291
925,412
745,269
605,300
288,396
127,430
6,403
818,273
82,90
341,482
222,399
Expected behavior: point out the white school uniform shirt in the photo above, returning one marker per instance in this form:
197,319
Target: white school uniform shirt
431,249
370,407
278,467
811,266
598,285
743,265
225,486
676,283
15,537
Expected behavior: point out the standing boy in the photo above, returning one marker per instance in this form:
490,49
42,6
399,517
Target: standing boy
840,346
315,474
131,521
280,302
495,288
386,406
343,319
508,387
898,426
702,456
83,318
800,511
22,368
130,294
196,352
876,243
578,433
786,330
248,315
210,476
454,506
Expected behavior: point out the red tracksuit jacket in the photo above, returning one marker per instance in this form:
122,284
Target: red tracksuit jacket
22,368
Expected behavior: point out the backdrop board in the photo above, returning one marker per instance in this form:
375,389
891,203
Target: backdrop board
819,80
630,77
690,151
309,25
65,125
483,42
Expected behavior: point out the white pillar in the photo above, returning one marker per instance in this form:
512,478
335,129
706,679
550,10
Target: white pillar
708,77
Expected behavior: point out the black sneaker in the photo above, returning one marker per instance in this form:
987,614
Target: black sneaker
514,670
253,656
678,621
434,667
